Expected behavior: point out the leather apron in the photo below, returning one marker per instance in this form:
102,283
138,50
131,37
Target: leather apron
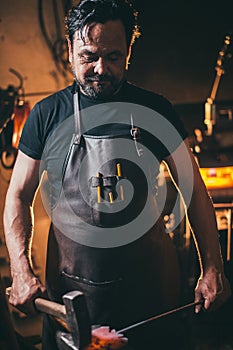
122,283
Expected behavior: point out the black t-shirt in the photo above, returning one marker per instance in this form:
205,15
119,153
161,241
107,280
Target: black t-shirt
48,114
50,126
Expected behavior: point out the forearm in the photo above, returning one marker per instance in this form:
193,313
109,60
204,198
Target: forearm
18,225
186,176
18,228
212,286
202,219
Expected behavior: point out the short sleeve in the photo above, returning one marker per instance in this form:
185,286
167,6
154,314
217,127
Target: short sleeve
170,130
31,138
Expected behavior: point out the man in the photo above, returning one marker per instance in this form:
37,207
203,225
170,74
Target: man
126,275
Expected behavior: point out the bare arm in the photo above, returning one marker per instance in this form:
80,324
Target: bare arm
212,284
18,228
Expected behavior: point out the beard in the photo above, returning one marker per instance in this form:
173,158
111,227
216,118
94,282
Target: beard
99,91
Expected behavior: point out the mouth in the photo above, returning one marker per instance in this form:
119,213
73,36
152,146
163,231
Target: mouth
98,80
101,82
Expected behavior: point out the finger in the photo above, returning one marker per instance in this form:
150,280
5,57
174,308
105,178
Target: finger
40,292
207,303
198,299
198,309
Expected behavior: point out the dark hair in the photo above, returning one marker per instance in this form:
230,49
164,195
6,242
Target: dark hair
101,11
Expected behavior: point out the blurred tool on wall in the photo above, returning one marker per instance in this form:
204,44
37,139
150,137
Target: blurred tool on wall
213,144
14,110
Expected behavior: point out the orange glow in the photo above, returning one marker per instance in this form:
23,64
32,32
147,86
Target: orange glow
215,178
21,113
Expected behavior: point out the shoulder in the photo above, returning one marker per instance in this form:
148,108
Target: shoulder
62,97
138,95
53,109
169,121
44,118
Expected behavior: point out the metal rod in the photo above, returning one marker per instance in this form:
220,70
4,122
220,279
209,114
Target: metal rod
160,316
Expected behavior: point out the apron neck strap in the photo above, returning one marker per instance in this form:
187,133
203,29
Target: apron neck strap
77,115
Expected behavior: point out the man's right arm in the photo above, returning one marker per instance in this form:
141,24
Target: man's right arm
18,228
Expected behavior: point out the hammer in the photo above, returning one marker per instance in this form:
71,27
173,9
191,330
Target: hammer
72,315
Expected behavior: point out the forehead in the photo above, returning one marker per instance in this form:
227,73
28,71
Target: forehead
110,35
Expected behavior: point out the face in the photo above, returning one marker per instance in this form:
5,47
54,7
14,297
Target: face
100,61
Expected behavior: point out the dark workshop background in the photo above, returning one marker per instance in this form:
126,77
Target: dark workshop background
178,49
176,56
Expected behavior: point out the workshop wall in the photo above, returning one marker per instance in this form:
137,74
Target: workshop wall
175,55
40,59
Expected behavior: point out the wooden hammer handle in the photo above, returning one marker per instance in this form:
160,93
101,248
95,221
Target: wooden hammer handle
51,308
47,306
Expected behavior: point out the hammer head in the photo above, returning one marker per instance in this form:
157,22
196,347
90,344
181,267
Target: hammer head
77,318
81,334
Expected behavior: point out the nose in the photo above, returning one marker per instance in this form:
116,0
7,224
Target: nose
100,66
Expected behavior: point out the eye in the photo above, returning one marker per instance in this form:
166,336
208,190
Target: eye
115,56
88,58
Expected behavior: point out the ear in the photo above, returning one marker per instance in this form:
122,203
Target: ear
70,49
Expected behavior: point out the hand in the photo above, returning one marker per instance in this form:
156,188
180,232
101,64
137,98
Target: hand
24,290
214,288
